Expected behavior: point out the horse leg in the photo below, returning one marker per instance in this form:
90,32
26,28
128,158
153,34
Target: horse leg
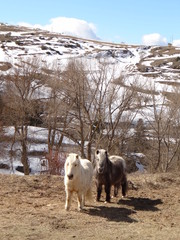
108,190
116,188
80,201
99,191
124,186
68,200
83,200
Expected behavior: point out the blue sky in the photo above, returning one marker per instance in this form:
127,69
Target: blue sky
129,21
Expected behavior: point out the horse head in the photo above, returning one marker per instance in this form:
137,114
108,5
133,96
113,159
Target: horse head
72,165
101,161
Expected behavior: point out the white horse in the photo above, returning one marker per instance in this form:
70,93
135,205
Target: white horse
78,178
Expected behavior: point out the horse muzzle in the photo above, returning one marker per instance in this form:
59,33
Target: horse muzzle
70,176
100,170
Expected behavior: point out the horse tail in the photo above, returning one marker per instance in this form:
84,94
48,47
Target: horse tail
124,186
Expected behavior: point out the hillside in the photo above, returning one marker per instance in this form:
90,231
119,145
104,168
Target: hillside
151,65
32,207
145,70
158,63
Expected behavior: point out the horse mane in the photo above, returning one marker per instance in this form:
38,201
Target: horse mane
109,163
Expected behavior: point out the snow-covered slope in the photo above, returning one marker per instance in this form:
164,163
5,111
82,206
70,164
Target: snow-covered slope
156,66
159,64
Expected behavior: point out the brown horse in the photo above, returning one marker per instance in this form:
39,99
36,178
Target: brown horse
109,171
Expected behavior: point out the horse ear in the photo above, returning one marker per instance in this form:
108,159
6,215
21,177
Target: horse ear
77,156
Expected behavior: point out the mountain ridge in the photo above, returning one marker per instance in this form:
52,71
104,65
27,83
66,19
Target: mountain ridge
159,63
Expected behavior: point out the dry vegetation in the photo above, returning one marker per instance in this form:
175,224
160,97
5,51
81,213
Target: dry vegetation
159,58
32,207
4,66
168,50
77,109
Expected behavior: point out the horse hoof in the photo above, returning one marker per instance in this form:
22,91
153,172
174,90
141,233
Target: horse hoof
80,209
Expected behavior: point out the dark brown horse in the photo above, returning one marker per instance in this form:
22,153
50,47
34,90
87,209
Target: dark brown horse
109,171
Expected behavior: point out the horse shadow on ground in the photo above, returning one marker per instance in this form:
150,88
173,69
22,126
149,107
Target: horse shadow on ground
141,204
123,214
111,213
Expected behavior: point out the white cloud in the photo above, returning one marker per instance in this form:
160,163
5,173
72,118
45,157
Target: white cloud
69,26
176,43
154,39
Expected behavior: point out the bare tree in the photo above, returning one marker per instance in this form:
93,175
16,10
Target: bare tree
97,105
76,101
140,142
55,118
21,88
163,121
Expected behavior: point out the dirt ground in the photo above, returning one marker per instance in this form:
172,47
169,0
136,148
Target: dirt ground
32,207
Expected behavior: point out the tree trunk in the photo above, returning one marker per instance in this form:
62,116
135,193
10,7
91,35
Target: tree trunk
24,158
89,151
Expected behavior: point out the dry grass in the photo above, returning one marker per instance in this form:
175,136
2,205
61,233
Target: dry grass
32,207
164,50
4,66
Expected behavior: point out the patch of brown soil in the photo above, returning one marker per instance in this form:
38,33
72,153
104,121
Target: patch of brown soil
4,66
32,207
